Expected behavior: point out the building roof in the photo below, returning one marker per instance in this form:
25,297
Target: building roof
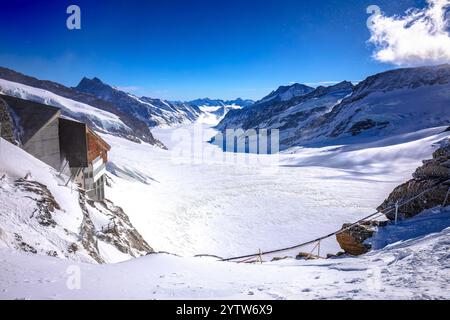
31,116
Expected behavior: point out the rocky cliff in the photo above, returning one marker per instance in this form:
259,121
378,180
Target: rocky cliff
433,172
429,188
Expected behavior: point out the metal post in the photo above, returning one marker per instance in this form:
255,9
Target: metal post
63,167
396,211
446,198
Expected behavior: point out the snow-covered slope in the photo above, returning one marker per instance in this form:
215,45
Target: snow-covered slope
155,112
287,116
390,103
219,112
41,215
202,202
394,102
196,199
412,269
81,106
103,120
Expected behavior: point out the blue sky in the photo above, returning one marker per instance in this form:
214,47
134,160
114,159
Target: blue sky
186,49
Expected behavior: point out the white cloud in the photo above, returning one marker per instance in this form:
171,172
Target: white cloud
419,37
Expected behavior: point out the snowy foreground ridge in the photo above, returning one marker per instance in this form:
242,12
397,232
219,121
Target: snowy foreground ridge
413,269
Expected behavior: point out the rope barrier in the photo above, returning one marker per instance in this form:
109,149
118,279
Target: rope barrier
369,218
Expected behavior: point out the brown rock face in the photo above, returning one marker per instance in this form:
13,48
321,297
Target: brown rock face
433,172
352,239
45,202
432,179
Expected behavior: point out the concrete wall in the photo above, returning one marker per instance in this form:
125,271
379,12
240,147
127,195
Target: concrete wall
6,123
45,145
98,191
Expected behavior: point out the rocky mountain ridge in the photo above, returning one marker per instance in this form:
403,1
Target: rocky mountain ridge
138,130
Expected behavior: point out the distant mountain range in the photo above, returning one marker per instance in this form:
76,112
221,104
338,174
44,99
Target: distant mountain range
206,102
393,102
108,109
154,112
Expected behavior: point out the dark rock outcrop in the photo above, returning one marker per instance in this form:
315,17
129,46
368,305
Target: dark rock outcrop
434,173
22,245
45,202
352,238
306,256
428,189
121,234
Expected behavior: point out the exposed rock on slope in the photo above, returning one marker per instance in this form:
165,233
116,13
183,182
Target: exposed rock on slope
41,217
432,173
352,240
40,214
46,204
118,232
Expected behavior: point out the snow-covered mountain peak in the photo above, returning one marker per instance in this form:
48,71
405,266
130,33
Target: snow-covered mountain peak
207,102
78,105
275,113
95,85
285,93
406,78
321,90
155,112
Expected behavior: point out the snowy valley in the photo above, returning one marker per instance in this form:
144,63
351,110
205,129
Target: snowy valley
173,195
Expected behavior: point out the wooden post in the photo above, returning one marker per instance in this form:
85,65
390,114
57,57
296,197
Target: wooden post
260,256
